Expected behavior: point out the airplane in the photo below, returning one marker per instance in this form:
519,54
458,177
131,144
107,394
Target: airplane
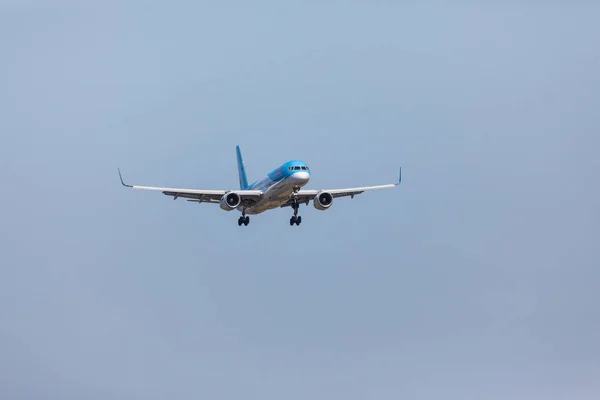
282,187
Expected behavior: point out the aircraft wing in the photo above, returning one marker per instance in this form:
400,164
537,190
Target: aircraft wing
304,196
248,197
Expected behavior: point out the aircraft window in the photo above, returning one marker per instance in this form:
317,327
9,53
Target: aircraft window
290,168
296,168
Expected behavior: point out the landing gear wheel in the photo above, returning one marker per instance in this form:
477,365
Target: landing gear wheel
296,219
244,219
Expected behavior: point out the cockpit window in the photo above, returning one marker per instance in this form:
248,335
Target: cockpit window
298,168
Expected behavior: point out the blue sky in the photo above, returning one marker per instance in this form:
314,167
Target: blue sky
476,278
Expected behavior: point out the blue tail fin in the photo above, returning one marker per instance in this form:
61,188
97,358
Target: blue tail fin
241,169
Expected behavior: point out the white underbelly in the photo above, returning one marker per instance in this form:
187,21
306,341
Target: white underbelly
273,198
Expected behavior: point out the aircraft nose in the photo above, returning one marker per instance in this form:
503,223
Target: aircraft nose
301,177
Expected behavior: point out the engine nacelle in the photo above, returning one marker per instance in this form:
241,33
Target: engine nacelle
323,201
230,201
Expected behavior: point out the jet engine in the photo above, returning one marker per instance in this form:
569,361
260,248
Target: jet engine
323,201
230,201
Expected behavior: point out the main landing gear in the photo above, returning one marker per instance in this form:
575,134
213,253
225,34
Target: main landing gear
243,219
296,219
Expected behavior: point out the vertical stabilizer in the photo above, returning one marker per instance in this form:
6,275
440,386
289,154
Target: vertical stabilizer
241,169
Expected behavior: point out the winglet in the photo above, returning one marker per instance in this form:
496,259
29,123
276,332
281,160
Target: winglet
399,176
123,183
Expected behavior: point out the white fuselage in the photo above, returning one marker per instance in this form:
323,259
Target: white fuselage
277,192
